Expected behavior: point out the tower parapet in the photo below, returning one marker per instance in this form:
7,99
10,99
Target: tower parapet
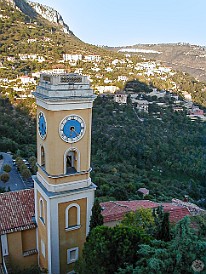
64,86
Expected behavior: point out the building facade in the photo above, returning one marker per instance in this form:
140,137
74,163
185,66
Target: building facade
64,193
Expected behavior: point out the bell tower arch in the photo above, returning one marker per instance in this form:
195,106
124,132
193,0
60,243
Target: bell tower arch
64,193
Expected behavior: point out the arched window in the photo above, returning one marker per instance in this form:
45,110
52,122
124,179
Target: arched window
71,161
42,156
72,217
41,210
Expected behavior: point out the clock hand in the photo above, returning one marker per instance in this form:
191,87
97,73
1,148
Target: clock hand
76,133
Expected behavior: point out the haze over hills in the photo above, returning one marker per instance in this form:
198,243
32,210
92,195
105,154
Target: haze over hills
180,56
49,23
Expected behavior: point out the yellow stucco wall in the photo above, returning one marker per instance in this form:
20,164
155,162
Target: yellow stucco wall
74,238
16,242
54,157
28,239
42,233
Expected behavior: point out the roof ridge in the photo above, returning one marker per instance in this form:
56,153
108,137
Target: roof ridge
16,191
116,202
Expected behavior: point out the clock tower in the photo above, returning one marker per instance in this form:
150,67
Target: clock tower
64,193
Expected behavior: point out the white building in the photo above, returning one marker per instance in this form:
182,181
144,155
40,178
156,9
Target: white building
92,58
122,78
120,98
72,57
27,80
108,69
105,89
141,105
187,95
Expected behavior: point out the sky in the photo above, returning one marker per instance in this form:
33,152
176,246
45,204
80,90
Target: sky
130,22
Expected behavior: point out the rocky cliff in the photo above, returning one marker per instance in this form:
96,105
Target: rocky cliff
32,9
49,14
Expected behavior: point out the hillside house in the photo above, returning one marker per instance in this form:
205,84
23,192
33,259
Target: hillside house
107,81
72,57
120,98
11,59
25,80
92,58
141,105
187,95
157,93
108,69
122,78
106,89
177,108
196,111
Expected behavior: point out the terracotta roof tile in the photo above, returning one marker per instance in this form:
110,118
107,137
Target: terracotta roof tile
115,211
17,209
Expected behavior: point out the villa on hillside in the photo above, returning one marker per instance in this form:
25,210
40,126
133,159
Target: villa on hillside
141,105
120,98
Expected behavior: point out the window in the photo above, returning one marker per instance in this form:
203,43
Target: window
72,217
43,251
41,210
71,161
42,156
72,255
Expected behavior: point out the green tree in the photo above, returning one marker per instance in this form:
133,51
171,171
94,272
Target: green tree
142,219
32,161
7,168
26,174
96,218
108,249
172,257
164,233
5,177
162,224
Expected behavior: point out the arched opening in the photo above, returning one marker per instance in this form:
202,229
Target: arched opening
41,210
42,156
71,161
72,216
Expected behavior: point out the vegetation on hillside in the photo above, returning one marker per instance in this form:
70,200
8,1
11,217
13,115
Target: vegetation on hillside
143,243
16,33
164,152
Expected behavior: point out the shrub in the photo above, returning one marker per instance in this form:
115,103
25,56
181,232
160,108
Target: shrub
26,174
7,168
5,177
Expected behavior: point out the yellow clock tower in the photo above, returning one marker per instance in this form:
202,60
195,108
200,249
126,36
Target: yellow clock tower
64,193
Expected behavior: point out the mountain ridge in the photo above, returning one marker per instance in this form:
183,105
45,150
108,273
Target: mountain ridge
33,9
180,56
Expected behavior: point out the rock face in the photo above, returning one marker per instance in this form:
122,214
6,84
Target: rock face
23,6
32,9
49,14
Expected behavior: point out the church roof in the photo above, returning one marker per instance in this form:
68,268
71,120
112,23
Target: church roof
115,210
16,211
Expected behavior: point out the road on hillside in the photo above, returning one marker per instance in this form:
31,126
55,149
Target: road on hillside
15,182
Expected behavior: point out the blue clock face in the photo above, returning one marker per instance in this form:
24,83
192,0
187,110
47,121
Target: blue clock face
72,128
42,127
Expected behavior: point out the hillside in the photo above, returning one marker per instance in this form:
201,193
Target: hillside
24,31
164,153
181,56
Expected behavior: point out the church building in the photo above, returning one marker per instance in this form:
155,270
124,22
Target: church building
63,190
